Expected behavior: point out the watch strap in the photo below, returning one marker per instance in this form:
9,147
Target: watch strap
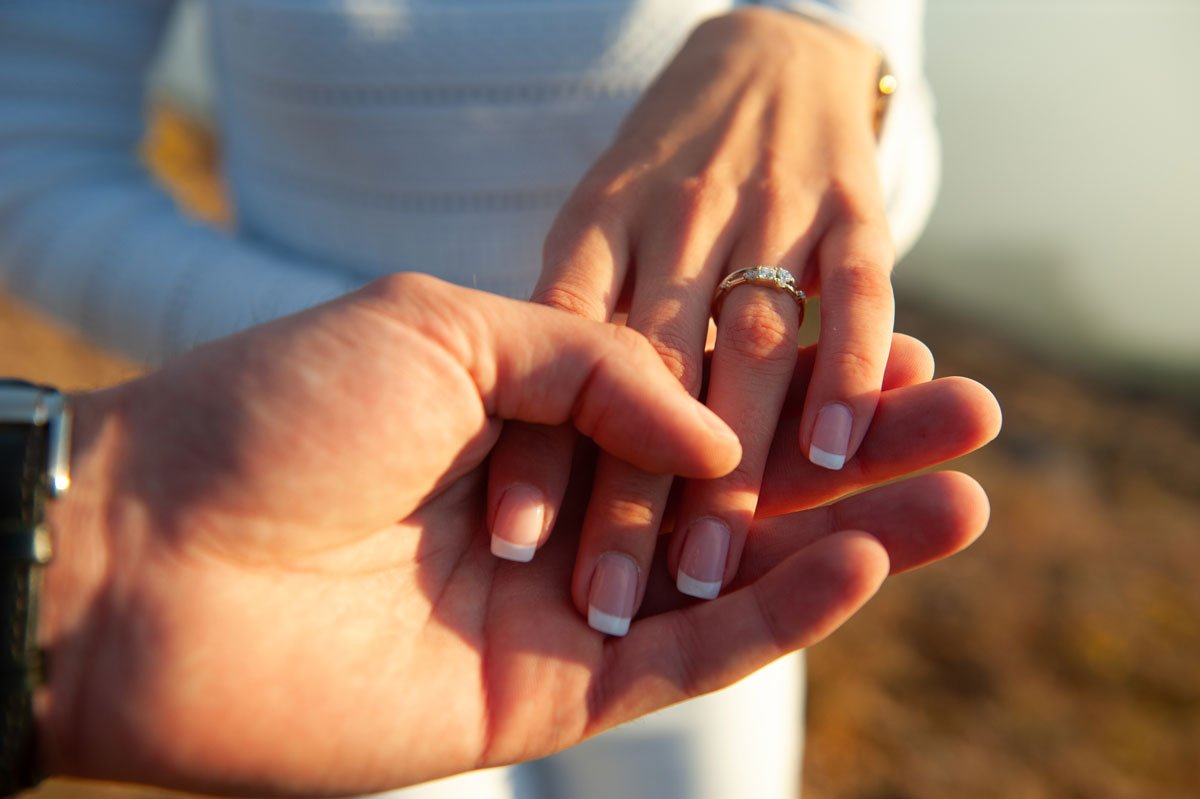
31,420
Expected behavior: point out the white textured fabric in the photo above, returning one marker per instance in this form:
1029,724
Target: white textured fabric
84,233
371,136
428,135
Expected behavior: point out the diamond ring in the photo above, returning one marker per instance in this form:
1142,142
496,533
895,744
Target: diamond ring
775,277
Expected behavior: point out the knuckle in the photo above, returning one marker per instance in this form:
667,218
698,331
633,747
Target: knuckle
846,197
775,187
400,285
703,196
632,512
633,502
681,358
772,193
597,197
563,296
854,365
758,331
861,283
666,348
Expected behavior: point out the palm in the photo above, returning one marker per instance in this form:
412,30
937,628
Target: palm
361,655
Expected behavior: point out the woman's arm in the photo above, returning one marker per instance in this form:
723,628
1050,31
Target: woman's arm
84,231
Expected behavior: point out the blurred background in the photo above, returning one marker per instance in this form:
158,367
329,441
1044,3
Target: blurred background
1059,657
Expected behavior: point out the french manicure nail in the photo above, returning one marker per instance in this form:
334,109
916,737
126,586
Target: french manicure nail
702,562
831,436
520,518
610,599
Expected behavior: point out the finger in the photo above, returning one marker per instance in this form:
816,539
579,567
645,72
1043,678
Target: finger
583,268
918,521
585,257
857,312
528,473
678,258
909,362
614,387
713,506
616,544
752,366
915,427
535,364
695,650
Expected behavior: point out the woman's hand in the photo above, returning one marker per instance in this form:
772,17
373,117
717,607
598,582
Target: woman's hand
754,146
273,572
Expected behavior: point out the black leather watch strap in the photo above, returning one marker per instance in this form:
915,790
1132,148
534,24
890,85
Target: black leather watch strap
30,444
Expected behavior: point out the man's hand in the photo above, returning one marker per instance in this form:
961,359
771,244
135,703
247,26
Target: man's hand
273,570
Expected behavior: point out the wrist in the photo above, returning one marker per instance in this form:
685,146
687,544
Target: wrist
815,32
830,56
74,583
868,50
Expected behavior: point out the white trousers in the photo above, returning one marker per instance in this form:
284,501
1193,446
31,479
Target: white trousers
744,741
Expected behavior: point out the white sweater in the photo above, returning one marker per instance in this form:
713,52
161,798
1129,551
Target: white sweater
362,137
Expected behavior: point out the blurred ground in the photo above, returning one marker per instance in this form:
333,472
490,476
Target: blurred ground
1059,657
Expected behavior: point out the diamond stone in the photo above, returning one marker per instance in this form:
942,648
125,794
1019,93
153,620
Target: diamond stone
771,274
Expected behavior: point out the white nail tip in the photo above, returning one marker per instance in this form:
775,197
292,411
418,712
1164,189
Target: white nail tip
510,551
701,589
607,623
826,459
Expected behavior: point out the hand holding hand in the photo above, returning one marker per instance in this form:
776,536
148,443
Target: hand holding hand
274,576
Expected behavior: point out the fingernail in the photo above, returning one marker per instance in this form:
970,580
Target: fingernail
702,563
831,436
519,522
614,586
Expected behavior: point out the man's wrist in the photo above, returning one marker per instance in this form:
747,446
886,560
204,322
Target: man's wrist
73,582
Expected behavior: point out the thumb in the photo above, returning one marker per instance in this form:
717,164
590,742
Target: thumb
537,364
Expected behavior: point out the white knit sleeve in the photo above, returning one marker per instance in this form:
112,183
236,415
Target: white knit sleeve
84,232
909,151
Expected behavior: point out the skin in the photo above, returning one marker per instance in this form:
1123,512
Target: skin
754,146
273,575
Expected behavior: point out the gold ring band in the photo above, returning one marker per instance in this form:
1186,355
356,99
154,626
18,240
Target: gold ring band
775,277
